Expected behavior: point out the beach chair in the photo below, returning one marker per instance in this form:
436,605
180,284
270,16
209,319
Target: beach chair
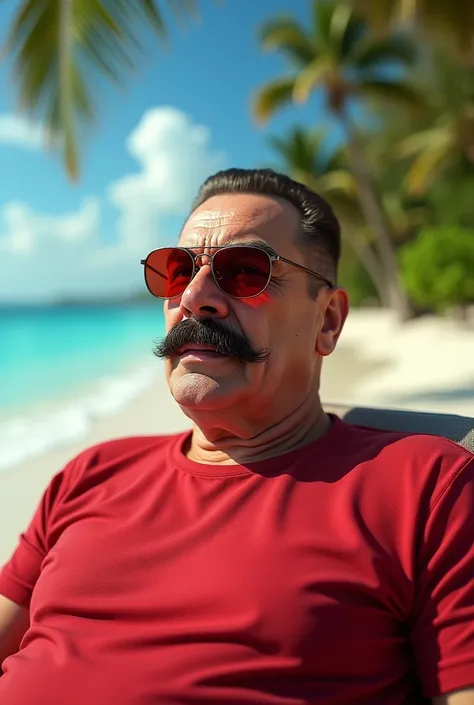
457,428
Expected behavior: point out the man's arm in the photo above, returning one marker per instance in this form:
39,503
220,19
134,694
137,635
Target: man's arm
442,628
19,575
14,621
461,697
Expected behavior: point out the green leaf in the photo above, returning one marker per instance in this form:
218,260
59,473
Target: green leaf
383,13
371,54
341,180
322,12
450,20
285,34
340,30
153,15
312,76
397,92
58,47
272,96
438,151
437,266
425,139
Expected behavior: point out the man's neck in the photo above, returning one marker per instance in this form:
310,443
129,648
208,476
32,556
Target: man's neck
222,447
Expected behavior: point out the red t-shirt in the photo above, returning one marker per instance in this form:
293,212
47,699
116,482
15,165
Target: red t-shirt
339,573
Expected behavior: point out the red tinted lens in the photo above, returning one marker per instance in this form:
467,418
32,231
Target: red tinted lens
242,272
168,272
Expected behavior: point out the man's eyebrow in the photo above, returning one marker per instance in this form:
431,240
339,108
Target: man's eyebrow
261,244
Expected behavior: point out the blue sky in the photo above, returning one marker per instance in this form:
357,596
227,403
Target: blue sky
184,113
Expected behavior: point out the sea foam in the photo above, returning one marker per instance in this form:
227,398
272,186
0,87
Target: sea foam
25,436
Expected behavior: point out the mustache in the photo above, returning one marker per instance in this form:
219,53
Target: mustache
212,333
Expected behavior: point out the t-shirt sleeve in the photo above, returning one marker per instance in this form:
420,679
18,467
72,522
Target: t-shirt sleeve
19,575
443,619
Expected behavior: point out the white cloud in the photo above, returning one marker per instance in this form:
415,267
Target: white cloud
44,257
26,231
175,156
17,131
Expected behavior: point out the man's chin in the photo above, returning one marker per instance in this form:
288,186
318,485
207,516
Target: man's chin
197,391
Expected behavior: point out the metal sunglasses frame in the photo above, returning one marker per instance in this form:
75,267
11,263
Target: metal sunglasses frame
272,257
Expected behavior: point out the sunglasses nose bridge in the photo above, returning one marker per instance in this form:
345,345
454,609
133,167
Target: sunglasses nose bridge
199,263
198,259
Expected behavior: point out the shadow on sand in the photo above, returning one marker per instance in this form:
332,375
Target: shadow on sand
433,396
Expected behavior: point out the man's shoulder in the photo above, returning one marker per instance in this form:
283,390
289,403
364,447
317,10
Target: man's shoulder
106,456
413,459
112,449
419,445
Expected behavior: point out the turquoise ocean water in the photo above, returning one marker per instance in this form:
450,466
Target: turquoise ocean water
50,353
60,367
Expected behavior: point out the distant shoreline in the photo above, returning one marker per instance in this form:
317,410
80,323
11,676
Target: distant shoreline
102,303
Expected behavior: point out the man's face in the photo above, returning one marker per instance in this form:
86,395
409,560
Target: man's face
283,321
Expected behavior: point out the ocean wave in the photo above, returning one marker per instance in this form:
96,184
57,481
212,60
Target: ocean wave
24,437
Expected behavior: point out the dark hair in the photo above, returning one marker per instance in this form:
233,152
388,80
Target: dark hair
319,235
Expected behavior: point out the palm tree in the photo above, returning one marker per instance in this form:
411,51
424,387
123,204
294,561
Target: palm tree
338,55
446,19
304,156
59,46
445,138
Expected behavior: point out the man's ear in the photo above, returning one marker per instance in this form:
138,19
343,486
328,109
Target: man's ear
335,311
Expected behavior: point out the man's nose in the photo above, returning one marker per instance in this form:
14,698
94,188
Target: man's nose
202,296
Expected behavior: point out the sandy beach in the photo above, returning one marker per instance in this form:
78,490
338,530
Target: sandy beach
427,364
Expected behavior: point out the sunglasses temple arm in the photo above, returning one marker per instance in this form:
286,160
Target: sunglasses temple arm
308,271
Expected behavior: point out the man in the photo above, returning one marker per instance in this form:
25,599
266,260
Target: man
273,555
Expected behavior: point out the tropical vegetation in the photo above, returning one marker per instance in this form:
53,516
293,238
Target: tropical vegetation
402,174
438,268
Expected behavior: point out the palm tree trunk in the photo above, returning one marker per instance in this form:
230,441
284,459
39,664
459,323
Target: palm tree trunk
376,217
371,264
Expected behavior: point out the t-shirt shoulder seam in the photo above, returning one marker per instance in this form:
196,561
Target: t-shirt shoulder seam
142,440
87,457
416,435
449,484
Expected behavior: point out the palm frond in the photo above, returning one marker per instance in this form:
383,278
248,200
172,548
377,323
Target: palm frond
286,35
281,146
395,49
344,30
311,77
356,31
399,93
305,156
298,149
340,180
322,12
59,46
431,150
272,96
453,20
383,13
423,140
428,164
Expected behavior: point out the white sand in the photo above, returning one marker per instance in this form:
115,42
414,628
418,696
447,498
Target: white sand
427,364
424,365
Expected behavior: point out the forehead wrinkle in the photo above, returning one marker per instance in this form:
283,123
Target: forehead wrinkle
227,223
252,217
211,234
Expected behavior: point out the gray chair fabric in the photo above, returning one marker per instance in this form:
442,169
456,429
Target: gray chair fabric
457,428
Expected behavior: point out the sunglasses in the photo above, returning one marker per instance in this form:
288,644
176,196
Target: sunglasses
240,271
